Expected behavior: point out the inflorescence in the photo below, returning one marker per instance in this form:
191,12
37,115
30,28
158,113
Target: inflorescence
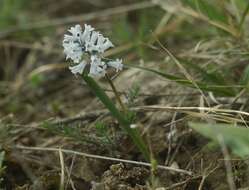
87,47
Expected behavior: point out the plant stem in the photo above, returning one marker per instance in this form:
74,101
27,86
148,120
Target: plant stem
116,93
123,121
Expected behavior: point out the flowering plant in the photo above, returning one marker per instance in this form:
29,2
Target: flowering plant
87,47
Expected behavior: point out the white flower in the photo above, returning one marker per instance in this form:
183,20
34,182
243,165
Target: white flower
78,68
103,44
67,39
117,64
85,37
90,43
98,67
97,43
76,32
73,51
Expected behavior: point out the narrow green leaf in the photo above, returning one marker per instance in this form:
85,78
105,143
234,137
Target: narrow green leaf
213,77
124,122
220,90
209,9
236,138
243,18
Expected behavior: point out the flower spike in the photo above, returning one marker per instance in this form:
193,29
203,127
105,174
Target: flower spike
92,44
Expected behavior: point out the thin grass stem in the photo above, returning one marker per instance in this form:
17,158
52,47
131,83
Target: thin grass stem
116,94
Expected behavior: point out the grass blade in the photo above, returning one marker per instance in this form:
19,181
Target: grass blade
235,138
220,90
243,17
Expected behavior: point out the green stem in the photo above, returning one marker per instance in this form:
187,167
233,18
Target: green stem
133,133
116,94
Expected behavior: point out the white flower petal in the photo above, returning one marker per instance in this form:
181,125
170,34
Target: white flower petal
85,37
117,64
76,32
96,72
108,44
97,67
78,68
73,51
67,38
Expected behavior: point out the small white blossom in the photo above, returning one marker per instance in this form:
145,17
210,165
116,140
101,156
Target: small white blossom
103,44
78,68
97,43
98,67
85,37
73,51
76,32
90,43
117,64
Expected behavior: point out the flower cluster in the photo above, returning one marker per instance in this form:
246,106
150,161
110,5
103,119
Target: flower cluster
88,43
